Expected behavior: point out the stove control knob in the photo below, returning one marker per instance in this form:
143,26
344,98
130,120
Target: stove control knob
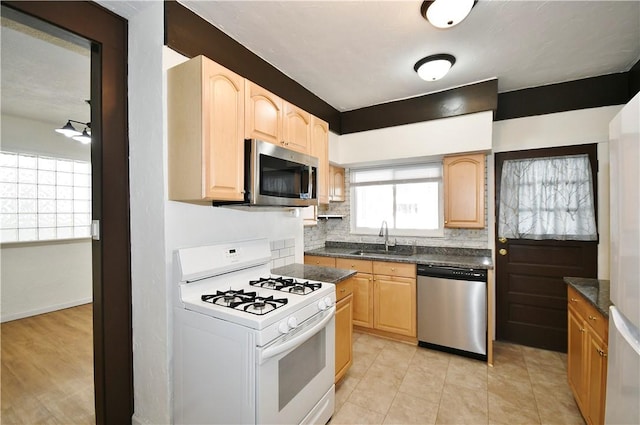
322,305
283,327
292,322
328,302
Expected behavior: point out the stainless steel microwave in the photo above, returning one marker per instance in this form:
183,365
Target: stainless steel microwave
275,176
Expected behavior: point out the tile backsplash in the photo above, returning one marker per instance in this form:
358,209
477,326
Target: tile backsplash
283,252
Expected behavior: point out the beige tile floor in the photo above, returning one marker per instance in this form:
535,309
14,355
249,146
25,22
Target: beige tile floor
396,383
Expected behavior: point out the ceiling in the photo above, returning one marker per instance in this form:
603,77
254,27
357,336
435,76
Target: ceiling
354,54
45,71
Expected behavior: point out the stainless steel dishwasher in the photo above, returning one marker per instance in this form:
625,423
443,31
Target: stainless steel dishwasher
452,310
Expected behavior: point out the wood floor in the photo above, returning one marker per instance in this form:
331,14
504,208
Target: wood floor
47,368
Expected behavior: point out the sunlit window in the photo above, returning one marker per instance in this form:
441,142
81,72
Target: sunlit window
407,197
43,198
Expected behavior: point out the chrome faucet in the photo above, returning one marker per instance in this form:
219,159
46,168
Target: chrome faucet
384,228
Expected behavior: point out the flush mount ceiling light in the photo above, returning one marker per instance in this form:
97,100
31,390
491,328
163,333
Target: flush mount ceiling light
446,13
434,67
70,131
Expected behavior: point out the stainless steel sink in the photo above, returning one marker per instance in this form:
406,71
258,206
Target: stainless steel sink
381,252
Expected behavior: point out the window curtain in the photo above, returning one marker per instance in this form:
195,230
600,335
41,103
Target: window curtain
547,198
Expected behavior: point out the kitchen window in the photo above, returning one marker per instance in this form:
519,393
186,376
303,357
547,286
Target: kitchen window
407,197
44,198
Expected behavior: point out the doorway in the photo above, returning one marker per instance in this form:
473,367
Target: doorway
531,295
45,181
111,271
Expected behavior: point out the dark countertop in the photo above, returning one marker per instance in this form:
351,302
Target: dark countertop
319,273
594,290
459,257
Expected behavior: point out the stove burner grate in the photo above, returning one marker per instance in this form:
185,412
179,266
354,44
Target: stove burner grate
286,284
228,298
245,301
262,305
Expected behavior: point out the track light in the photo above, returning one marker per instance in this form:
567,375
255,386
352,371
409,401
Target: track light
70,131
84,138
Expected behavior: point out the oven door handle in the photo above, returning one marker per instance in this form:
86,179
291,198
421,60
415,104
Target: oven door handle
267,353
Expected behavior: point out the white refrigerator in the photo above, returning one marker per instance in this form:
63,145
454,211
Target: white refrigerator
623,368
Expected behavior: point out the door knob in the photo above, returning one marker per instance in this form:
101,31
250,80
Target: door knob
502,252
502,239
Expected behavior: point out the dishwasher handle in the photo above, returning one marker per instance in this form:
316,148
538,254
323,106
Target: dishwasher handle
452,272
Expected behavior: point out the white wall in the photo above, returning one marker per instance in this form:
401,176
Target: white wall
466,133
39,277
563,129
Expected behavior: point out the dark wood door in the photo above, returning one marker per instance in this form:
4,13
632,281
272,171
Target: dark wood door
531,296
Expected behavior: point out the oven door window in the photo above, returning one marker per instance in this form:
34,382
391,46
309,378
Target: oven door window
299,367
283,178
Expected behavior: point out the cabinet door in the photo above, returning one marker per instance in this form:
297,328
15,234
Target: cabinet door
363,300
344,336
463,177
205,108
320,149
318,260
223,148
596,378
296,128
394,304
263,114
575,356
336,192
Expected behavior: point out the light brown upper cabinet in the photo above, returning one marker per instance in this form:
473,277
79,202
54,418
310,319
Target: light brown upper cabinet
463,177
269,118
205,110
262,115
296,128
320,149
336,184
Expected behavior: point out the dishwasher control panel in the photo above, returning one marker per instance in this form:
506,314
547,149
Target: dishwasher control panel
451,272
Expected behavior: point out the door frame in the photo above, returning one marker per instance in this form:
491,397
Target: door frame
112,323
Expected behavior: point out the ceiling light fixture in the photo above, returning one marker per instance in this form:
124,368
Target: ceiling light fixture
84,138
446,13
70,131
434,67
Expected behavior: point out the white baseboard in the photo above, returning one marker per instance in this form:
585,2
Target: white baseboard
47,309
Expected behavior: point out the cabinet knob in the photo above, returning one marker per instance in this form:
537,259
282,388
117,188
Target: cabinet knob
592,318
343,290
574,300
393,269
601,352
582,330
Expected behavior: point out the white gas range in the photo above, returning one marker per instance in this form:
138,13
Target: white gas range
250,347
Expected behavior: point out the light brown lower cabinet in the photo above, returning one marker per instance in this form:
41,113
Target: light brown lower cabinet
587,356
384,297
344,327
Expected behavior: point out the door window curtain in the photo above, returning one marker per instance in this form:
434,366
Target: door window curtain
547,198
